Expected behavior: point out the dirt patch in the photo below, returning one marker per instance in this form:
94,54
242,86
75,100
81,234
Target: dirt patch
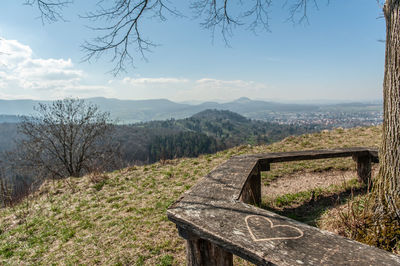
303,181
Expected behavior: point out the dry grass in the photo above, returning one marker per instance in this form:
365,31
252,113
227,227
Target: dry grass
120,217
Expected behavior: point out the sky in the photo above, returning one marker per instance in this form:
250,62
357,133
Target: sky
338,56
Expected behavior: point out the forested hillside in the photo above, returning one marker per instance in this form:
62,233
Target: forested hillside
8,135
206,132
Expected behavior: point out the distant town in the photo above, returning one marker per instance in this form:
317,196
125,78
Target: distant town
329,119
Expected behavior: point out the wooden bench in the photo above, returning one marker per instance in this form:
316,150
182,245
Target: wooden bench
217,219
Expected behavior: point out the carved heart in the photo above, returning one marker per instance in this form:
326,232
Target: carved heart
262,229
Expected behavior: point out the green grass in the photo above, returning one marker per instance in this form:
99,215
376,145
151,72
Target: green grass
120,218
302,197
310,205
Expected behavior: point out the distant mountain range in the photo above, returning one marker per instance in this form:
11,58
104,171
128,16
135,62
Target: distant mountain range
132,111
9,119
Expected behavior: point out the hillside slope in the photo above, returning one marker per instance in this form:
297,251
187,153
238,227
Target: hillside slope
120,217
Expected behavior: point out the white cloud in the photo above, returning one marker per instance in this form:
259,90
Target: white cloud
12,51
146,81
22,74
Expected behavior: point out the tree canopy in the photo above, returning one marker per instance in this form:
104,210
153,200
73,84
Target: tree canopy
66,138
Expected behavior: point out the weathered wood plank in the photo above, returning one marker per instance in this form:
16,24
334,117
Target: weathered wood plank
200,252
216,223
374,155
226,181
251,191
314,155
263,237
364,168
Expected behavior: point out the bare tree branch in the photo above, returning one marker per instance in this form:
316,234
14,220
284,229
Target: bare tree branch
123,30
259,15
66,138
50,10
119,22
217,14
299,8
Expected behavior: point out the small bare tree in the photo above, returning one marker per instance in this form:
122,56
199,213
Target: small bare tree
66,138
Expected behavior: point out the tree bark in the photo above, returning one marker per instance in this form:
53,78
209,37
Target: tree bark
387,184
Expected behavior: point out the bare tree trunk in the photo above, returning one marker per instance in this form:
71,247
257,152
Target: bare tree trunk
387,184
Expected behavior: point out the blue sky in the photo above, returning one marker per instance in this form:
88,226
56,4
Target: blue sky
337,56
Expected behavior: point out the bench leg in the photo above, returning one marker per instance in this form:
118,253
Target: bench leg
251,193
364,168
200,252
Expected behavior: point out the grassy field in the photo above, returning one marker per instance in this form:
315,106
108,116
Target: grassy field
120,218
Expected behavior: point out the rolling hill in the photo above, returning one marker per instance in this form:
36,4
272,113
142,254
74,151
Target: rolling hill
120,218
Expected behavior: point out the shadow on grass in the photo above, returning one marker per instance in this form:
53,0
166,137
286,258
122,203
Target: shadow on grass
311,210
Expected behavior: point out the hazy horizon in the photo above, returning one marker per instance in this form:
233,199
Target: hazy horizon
219,101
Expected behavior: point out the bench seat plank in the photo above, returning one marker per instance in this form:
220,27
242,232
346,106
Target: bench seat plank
264,237
315,154
212,211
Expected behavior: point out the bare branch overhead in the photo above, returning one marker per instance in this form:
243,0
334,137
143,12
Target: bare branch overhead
124,19
120,22
50,10
298,10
